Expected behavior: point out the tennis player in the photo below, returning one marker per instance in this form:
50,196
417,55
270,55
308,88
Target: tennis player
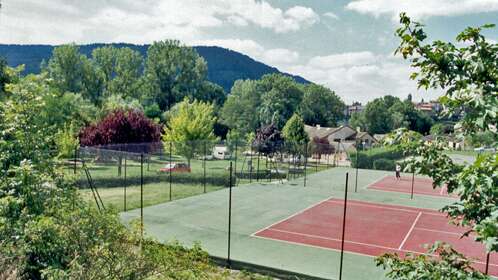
398,172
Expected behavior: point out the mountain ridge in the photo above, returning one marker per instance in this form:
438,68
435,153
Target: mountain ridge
225,66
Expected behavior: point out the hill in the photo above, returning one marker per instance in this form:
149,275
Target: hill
224,66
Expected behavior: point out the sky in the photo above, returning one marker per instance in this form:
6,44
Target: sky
346,45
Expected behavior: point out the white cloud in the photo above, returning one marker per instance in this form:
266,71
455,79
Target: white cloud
62,21
264,15
331,15
277,57
422,8
361,76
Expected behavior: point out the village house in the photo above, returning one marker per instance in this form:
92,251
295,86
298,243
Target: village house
343,134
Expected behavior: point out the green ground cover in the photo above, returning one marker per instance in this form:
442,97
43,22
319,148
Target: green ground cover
111,183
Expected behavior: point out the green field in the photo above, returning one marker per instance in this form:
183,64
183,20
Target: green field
111,183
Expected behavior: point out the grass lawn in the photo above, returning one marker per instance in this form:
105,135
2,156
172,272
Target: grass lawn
215,176
155,193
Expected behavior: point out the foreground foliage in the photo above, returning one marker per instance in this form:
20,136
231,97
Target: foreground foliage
47,231
469,75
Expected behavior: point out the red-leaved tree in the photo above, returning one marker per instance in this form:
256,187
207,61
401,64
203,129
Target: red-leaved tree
120,127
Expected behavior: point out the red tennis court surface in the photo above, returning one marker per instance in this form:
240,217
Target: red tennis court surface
404,185
373,229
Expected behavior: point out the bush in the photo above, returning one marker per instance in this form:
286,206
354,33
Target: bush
367,158
121,127
384,164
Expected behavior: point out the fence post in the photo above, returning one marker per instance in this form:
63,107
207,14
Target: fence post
236,158
257,171
204,167
356,177
413,184
142,194
343,225
170,169
124,185
305,161
229,215
487,264
75,157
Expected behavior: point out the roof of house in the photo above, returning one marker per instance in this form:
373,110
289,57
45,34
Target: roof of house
320,132
332,133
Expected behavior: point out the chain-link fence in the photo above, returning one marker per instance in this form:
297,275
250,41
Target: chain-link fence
280,208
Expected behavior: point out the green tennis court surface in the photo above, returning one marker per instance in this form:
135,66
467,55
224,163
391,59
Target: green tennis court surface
204,219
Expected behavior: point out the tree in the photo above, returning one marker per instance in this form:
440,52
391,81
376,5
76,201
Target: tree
358,120
120,127
384,114
321,106
378,119
190,123
294,132
174,71
240,110
211,93
67,109
440,129
468,76
280,98
71,71
4,77
121,69
268,139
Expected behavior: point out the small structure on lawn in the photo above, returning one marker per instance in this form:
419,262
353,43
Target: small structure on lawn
221,152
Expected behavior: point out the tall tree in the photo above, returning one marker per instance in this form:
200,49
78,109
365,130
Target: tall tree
240,110
294,132
377,116
174,71
190,123
212,93
321,106
280,98
71,71
121,69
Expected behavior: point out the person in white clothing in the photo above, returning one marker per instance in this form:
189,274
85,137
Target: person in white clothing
398,172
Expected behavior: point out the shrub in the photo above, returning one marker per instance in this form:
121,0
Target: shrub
384,164
121,127
367,158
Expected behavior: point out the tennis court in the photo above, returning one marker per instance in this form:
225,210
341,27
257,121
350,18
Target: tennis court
421,186
309,219
373,229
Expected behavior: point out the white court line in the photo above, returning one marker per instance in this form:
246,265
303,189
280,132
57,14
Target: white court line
293,215
376,181
385,207
338,250
333,239
410,231
442,190
440,231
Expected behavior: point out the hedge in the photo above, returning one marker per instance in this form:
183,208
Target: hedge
384,164
367,158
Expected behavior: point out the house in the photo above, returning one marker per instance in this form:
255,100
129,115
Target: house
366,139
343,134
430,108
356,107
452,142
221,152
379,137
